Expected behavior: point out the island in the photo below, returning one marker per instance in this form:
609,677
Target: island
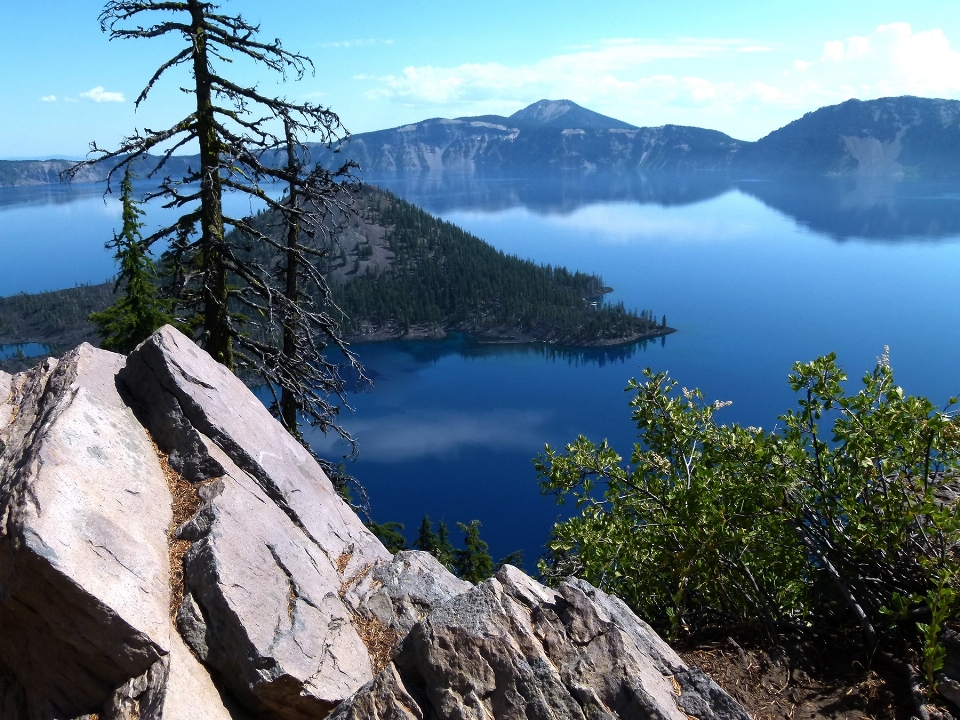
395,272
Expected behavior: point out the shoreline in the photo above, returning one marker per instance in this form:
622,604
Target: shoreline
495,337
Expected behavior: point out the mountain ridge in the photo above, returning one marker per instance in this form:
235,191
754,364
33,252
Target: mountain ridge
887,137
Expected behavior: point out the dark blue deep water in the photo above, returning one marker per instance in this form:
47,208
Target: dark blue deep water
755,275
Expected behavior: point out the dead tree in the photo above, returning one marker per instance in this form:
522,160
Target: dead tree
268,310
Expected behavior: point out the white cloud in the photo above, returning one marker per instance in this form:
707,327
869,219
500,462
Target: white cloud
48,98
612,69
98,94
422,434
355,43
684,81
892,60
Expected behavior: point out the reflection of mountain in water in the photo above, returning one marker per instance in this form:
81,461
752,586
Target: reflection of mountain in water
841,208
432,351
874,209
32,195
552,192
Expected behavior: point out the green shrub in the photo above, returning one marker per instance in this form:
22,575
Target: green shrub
803,527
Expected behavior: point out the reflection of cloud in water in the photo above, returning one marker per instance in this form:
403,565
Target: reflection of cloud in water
629,223
423,433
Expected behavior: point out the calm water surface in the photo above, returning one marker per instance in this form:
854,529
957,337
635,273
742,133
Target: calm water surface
754,276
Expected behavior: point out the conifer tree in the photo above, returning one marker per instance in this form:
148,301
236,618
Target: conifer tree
240,309
445,552
426,537
390,534
473,563
139,310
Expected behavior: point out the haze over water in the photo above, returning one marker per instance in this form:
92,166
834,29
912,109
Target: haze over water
754,276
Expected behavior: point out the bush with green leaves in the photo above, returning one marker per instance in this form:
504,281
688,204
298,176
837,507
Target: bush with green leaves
844,516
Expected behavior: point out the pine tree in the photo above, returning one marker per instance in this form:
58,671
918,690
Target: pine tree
390,534
426,537
515,558
436,543
243,312
139,310
445,552
473,563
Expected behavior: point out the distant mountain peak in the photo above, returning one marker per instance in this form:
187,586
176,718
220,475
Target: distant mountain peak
564,114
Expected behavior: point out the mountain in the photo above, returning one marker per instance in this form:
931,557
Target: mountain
555,134
889,137
16,173
875,138
563,114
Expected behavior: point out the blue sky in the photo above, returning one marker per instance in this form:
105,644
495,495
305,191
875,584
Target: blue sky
743,67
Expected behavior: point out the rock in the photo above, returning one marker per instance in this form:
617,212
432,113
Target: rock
511,648
291,609
398,594
263,605
6,404
219,406
84,573
191,694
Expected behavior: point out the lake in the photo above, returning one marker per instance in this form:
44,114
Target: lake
755,275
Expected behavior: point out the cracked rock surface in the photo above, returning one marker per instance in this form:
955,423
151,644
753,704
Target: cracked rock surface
291,608
511,648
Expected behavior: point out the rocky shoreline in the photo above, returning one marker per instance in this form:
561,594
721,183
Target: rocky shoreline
496,336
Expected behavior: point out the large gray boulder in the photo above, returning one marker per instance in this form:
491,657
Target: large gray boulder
84,592
263,607
169,371
511,648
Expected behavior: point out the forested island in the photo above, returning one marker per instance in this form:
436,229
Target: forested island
404,273
395,272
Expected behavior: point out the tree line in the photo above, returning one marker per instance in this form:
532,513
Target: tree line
445,277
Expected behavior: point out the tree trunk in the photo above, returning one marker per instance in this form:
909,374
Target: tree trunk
216,319
288,401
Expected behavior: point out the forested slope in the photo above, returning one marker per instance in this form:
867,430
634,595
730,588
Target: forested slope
438,277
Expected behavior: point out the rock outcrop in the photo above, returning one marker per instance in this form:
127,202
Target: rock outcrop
168,551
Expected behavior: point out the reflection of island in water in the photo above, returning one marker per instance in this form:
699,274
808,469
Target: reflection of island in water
470,347
841,208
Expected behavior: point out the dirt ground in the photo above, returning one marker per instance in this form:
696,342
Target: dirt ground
798,682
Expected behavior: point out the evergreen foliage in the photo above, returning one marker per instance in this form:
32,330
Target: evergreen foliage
443,277
390,534
845,517
59,318
261,318
437,543
473,563
139,310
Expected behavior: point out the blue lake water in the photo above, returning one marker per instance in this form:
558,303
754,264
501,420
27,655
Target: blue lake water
754,276
26,349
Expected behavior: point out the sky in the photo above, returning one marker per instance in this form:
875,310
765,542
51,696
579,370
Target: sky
745,68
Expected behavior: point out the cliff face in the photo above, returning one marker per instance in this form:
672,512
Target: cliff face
557,135
167,550
877,138
889,137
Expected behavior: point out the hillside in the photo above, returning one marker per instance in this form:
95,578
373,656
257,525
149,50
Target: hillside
399,272
403,271
891,136
548,134
876,138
